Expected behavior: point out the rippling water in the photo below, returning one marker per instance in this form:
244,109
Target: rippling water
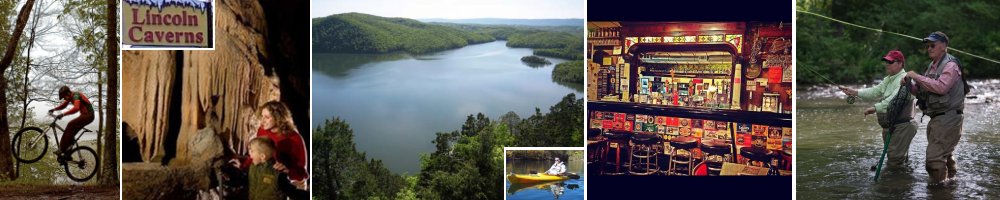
836,145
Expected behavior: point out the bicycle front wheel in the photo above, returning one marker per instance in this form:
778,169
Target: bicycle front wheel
83,164
29,145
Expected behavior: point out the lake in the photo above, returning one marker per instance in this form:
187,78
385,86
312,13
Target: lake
836,145
395,103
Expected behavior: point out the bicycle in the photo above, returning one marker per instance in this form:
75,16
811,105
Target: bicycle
83,161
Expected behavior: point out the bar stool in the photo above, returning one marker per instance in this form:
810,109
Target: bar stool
716,153
682,155
787,158
752,156
616,140
596,144
644,161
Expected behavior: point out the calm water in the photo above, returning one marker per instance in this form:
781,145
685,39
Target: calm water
569,189
836,145
395,103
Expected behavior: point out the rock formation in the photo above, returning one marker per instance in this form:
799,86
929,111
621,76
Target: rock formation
168,95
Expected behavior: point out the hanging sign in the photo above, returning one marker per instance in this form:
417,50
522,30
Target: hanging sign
167,23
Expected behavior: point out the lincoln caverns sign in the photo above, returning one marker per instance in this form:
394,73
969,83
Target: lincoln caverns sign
167,24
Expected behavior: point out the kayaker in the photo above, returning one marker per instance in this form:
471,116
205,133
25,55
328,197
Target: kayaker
557,168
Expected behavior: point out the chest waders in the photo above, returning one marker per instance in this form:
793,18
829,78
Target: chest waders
888,122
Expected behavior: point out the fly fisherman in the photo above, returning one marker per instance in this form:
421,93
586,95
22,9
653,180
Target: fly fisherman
901,125
941,92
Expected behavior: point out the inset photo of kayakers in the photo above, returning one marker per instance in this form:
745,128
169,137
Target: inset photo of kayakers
897,100
553,173
689,98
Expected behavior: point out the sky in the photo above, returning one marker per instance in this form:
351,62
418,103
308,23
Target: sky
454,9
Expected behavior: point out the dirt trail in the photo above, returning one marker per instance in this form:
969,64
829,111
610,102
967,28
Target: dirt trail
44,192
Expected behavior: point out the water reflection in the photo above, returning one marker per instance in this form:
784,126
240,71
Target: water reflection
836,145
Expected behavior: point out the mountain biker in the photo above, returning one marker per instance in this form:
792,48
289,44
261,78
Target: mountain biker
80,103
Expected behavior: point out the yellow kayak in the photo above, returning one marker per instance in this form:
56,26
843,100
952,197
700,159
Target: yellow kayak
534,178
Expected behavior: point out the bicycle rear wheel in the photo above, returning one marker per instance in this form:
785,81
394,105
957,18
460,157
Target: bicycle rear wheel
83,165
29,144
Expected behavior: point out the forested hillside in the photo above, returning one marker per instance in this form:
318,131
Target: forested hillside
364,33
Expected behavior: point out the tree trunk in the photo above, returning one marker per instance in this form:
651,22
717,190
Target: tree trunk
6,163
27,68
100,120
110,161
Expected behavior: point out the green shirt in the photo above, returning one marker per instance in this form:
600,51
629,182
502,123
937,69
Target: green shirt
884,91
264,182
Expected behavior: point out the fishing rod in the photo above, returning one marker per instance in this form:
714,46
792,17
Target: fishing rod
850,99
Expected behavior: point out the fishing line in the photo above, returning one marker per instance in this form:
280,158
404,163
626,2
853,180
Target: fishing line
821,76
890,32
850,99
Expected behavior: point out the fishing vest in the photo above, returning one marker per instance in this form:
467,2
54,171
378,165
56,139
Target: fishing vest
935,104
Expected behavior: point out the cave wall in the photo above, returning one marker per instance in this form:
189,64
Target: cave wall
247,68
147,77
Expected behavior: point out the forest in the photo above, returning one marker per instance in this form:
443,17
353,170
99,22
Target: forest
569,72
467,162
48,44
364,33
848,54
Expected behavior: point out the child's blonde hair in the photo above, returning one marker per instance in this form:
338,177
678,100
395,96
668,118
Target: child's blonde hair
263,145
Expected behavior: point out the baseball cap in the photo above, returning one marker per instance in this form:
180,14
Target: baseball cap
936,36
894,56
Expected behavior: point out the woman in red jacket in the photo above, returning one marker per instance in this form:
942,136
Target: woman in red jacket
290,150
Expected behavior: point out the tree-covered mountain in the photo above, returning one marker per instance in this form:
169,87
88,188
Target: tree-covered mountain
554,41
364,33
504,21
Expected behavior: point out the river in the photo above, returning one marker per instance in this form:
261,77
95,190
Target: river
836,145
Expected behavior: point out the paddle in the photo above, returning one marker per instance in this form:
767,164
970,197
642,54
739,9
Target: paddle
572,175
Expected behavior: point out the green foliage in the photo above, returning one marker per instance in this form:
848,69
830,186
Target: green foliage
548,43
363,33
466,164
92,19
539,155
561,127
535,60
571,53
849,54
341,172
569,72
